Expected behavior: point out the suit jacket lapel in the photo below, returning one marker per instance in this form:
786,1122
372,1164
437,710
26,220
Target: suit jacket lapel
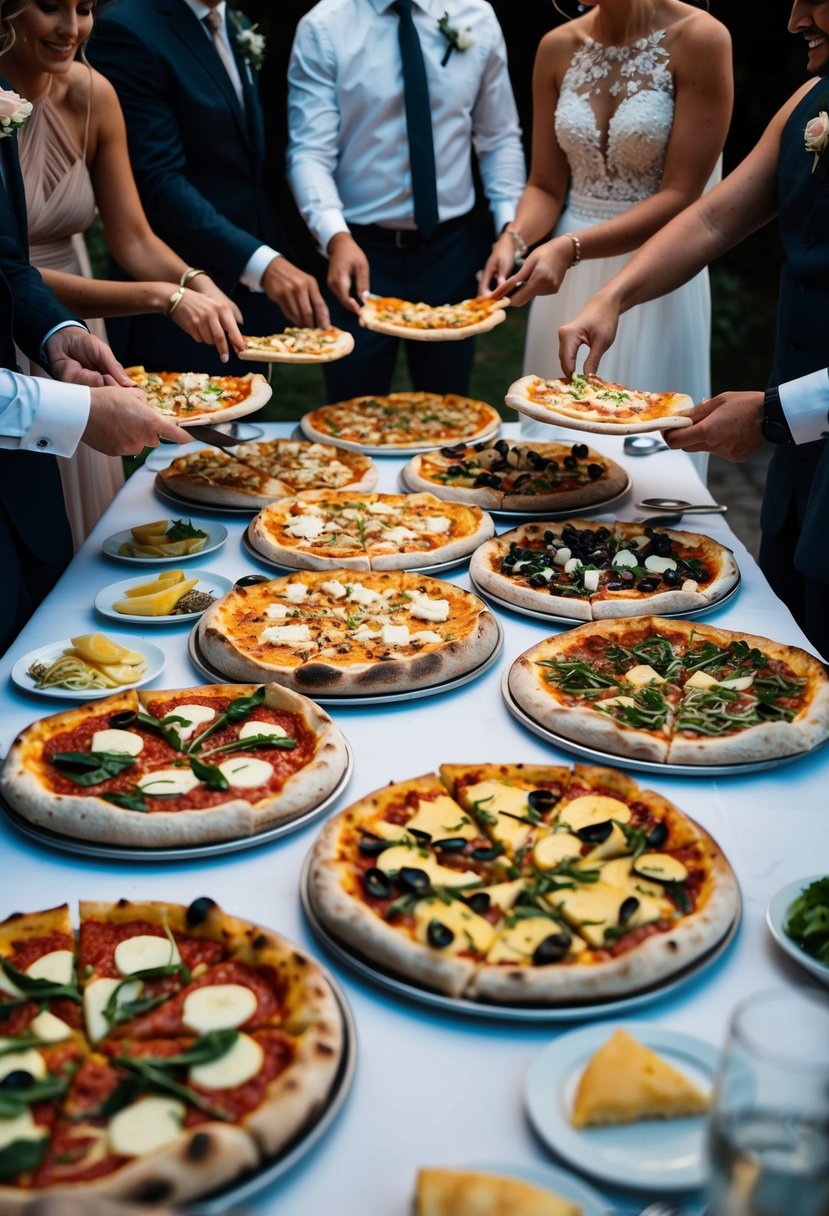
186,26
253,105
14,190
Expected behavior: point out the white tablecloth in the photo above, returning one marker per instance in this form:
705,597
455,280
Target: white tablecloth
431,1088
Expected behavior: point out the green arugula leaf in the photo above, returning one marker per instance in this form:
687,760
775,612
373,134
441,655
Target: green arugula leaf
22,1156
182,529
91,768
33,989
212,776
14,1100
283,743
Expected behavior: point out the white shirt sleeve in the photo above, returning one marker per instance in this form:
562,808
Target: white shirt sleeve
805,403
40,415
261,258
497,136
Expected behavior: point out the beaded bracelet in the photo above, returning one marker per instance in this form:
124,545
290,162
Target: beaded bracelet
576,247
175,300
518,241
190,273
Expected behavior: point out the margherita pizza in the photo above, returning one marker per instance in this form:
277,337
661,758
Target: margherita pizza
575,569
401,422
164,768
319,530
190,398
675,691
518,476
432,322
347,632
516,883
299,346
257,473
159,1056
587,403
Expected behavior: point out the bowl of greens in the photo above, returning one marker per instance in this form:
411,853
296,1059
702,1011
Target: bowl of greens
798,917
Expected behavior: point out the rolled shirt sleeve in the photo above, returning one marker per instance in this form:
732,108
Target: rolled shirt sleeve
805,403
40,415
251,277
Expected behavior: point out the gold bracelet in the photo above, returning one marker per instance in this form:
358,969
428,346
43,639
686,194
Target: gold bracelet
175,300
576,247
190,273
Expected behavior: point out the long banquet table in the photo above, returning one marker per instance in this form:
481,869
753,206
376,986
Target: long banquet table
431,1087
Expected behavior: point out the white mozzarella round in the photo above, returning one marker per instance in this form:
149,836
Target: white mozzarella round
237,1066
246,772
20,1127
57,966
96,998
48,1028
196,715
121,741
253,728
143,951
145,1127
30,1061
218,1007
168,782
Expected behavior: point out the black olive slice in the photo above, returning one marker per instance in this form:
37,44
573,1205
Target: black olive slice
580,450
452,844
552,949
19,1079
199,910
420,836
595,833
414,880
478,901
250,580
628,909
614,585
671,577
455,470
501,446
537,580
487,852
595,471
541,800
376,883
658,835
439,935
569,462
549,537
120,721
372,846
647,584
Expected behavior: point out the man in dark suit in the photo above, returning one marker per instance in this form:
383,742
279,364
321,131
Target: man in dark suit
185,74
779,177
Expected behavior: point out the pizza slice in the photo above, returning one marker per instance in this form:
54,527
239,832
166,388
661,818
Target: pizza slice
512,803
191,398
432,323
299,345
589,403
39,994
215,477
299,465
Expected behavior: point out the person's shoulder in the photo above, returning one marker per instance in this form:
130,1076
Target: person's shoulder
559,45
138,16
331,13
694,31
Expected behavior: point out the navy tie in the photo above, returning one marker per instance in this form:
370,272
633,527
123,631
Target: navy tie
418,122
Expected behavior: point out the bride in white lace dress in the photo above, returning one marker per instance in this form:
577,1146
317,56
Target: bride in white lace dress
631,105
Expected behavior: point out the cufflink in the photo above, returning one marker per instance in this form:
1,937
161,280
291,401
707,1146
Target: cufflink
42,443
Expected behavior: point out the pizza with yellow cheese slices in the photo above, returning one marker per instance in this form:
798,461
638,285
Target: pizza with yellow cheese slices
675,691
588,403
299,345
521,883
431,322
156,1056
192,398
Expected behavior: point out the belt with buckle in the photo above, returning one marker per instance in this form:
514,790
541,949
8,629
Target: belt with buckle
409,240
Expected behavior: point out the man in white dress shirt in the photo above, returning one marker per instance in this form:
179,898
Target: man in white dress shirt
352,110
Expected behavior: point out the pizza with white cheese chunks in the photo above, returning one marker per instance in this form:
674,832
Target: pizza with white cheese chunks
320,530
401,422
432,322
192,398
522,883
187,766
299,345
348,632
158,1054
588,403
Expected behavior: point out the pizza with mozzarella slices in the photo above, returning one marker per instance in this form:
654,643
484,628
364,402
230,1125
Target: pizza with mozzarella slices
401,422
588,403
156,1056
191,398
298,345
519,883
188,766
432,322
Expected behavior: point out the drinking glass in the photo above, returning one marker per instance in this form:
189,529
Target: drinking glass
768,1139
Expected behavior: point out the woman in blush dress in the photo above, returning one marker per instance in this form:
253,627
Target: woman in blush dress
631,105
73,155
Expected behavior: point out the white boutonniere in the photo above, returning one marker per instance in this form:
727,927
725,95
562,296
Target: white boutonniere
251,46
15,112
816,136
458,40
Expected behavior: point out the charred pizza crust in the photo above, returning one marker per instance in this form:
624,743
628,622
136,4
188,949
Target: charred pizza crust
507,917
432,323
41,792
588,403
401,422
299,345
323,530
348,633
675,691
192,398
546,567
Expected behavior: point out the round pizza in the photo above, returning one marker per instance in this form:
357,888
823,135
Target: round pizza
432,322
158,1054
674,692
401,422
320,530
191,398
522,883
518,476
573,568
587,403
348,633
257,473
298,345
187,766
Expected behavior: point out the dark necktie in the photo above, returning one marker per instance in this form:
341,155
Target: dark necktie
418,121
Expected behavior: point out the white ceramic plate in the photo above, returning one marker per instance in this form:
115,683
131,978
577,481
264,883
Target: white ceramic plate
560,1182
47,654
216,537
212,584
653,1155
776,916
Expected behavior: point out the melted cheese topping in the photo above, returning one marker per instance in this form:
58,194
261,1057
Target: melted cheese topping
219,1007
147,1126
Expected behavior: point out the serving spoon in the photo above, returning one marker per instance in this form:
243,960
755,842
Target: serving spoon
679,504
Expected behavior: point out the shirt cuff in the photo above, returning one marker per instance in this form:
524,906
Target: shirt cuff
62,415
43,357
330,223
251,277
805,403
503,213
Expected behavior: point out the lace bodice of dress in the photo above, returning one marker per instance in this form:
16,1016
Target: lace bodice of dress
624,163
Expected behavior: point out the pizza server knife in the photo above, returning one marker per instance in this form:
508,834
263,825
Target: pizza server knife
226,434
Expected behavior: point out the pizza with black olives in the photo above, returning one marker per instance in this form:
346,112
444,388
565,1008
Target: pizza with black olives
522,883
518,476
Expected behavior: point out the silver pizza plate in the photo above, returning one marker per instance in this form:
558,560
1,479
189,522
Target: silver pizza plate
178,500
595,756
537,615
409,449
584,1011
117,852
434,568
214,676
543,513
246,1188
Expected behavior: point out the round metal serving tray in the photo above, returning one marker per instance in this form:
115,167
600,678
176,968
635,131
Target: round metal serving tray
200,852
411,449
434,568
537,615
214,676
545,513
246,1188
584,1011
595,756
191,504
